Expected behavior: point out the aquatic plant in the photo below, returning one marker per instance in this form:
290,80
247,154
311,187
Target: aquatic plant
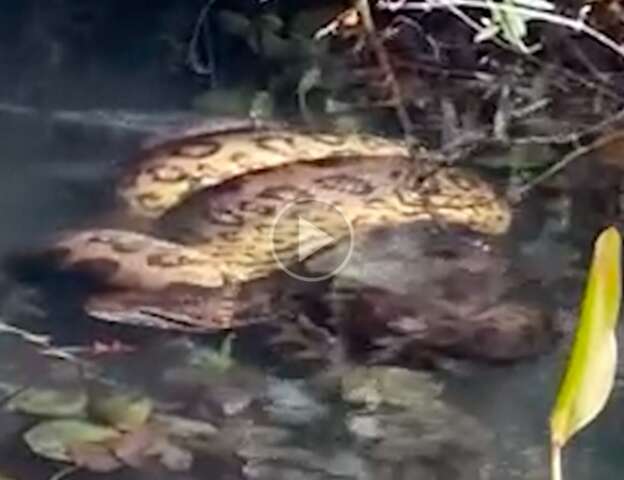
590,372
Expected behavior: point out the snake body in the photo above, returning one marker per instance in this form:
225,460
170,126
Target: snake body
161,176
235,222
212,200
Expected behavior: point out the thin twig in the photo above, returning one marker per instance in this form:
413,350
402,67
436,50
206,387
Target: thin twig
85,368
576,24
383,58
400,20
37,339
42,342
65,472
518,193
573,137
604,88
477,27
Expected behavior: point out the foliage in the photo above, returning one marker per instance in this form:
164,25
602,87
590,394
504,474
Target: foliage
101,430
590,373
510,23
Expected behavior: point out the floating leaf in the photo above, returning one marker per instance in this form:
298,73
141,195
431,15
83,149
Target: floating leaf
49,402
174,458
590,372
134,447
123,410
185,427
55,439
94,457
377,385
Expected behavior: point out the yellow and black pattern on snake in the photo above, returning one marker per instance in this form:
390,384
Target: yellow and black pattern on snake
234,222
218,243
165,174
142,280
187,307
124,259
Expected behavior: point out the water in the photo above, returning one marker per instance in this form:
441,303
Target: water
57,172
60,177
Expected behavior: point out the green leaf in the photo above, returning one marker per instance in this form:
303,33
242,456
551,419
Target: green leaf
125,411
511,23
590,372
49,402
55,438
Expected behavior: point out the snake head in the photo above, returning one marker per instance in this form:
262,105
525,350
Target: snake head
453,195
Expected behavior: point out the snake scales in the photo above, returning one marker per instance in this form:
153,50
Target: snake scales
211,199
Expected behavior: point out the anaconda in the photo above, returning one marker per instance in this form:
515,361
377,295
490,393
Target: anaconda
163,175
234,222
207,262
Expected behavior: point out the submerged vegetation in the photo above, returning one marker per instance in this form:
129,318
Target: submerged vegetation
526,91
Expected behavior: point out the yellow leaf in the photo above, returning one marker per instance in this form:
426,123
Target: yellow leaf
590,372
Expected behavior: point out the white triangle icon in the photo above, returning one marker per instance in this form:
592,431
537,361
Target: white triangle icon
311,238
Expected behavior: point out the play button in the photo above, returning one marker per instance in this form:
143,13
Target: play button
304,228
311,239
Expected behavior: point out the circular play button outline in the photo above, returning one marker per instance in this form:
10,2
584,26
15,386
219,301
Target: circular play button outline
326,239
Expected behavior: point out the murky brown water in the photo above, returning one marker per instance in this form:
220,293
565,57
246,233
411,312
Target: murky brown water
491,423
59,177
